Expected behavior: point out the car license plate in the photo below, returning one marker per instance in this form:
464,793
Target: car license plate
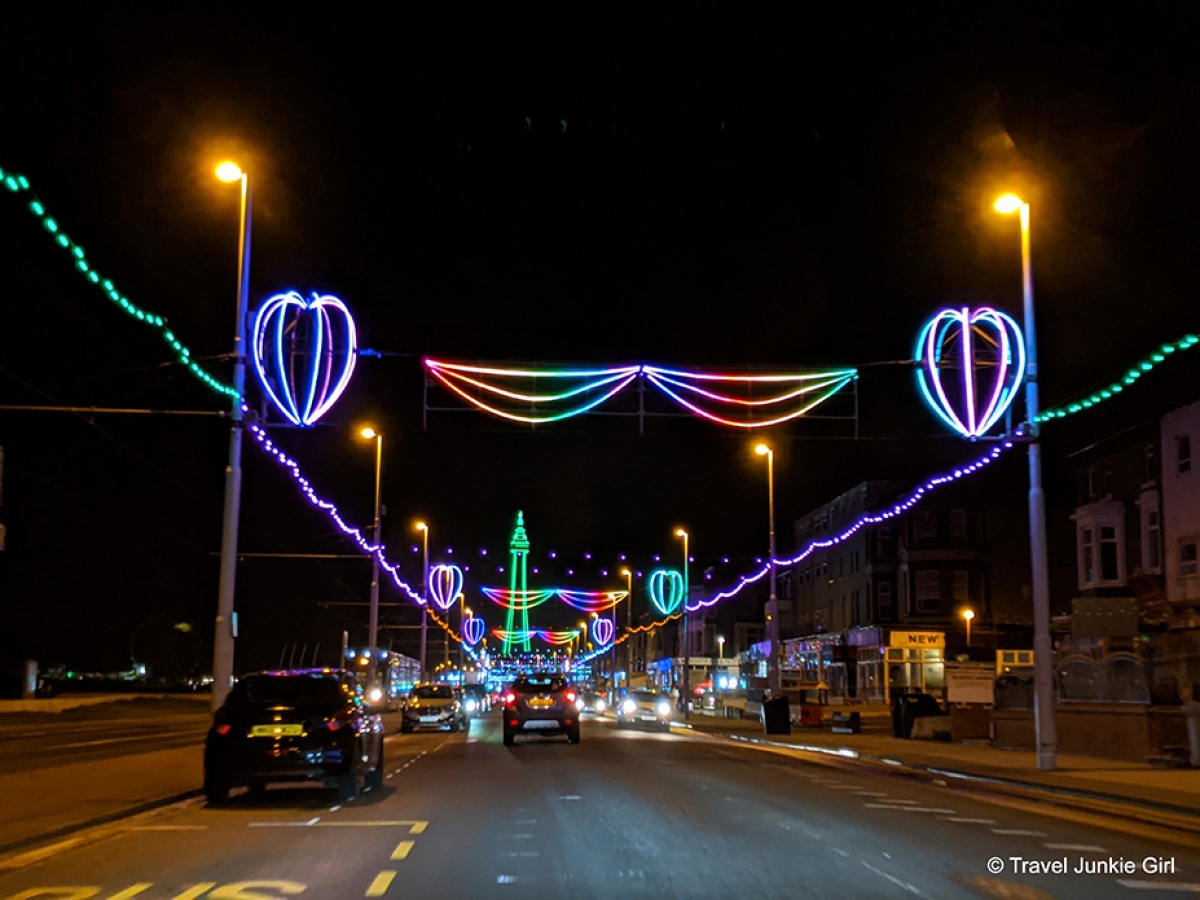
649,718
541,702
277,730
429,720
541,723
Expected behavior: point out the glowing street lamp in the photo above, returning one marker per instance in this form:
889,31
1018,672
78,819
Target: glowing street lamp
225,627
968,616
683,643
774,677
721,648
424,529
1043,683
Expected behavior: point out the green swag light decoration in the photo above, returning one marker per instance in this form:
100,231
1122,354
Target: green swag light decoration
20,184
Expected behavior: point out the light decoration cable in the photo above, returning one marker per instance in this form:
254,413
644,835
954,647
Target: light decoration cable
445,585
901,506
585,601
585,389
591,601
1137,371
666,589
18,184
972,364
304,351
557,638
521,600
809,389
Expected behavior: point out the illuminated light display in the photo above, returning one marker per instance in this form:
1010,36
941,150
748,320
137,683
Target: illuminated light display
445,584
972,365
603,631
666,590
473,631
557,638
17,184
579,397
518,583
586,601
591,601
591,387
810,389
1146,365
901,506
304,353
522,600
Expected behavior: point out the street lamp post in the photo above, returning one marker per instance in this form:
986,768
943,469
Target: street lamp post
225,630
424,529
774,676
373,621
1043,684
687,678
968,615
721,648
628,625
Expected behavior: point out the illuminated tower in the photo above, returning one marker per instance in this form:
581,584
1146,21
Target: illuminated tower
518,585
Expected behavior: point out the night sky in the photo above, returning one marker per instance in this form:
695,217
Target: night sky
696,185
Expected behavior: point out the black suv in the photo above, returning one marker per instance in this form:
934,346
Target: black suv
297,725
541,703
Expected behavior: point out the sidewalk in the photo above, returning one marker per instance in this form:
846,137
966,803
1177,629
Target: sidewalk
1173,790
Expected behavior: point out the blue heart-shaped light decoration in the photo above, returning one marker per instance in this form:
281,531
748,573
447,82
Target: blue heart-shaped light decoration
603,631
304,353
972,363
666,590
445,584
472,632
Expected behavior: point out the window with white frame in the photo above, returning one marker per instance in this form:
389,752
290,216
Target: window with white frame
928,588
1187,558
1100,544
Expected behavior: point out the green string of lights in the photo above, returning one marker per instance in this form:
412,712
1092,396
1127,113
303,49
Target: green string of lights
19,183
1150,362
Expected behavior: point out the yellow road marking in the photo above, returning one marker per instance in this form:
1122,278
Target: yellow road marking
403,849
418,827
381,883
132,891
196,891
57,893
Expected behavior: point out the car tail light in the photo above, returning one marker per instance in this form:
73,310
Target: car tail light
510,698
570,696
223,728
220,722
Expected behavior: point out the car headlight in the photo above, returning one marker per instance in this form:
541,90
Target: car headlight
471,706
664,708
376,695
629,707
601,706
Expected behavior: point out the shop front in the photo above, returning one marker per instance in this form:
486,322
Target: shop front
915,661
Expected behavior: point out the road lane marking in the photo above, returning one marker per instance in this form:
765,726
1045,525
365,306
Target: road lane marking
309,824
1082,848
968,821
893,879
569,797
1018,832
905,802
167,828
382,882
418,827
870,793
196,891
403,849
32,856
132,891
506,879
1179,886
924,809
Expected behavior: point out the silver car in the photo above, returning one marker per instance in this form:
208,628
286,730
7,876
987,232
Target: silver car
433,706
647,709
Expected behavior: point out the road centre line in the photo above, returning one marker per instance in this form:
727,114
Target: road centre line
905,802
968,821
893,879
167,828
403,849
1019,832
870,794
382,882
1082,848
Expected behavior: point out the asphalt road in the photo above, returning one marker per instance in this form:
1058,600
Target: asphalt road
40,744
623,814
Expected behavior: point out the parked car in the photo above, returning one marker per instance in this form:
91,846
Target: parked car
541,703
645,708
433,706
295,725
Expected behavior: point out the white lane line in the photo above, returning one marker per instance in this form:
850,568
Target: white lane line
1179,886
1082,848
840,852
1020,832
569,797
893,879
525,821
311,822
335,808
520,837
967,821
506,879
905,802
922,809
870,793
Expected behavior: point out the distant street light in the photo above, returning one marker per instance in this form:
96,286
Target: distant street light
687,657
774,676
721,647
1043,673
424,529
968,615
225,627
373,622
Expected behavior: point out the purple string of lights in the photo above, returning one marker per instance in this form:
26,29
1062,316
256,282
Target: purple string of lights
914,497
